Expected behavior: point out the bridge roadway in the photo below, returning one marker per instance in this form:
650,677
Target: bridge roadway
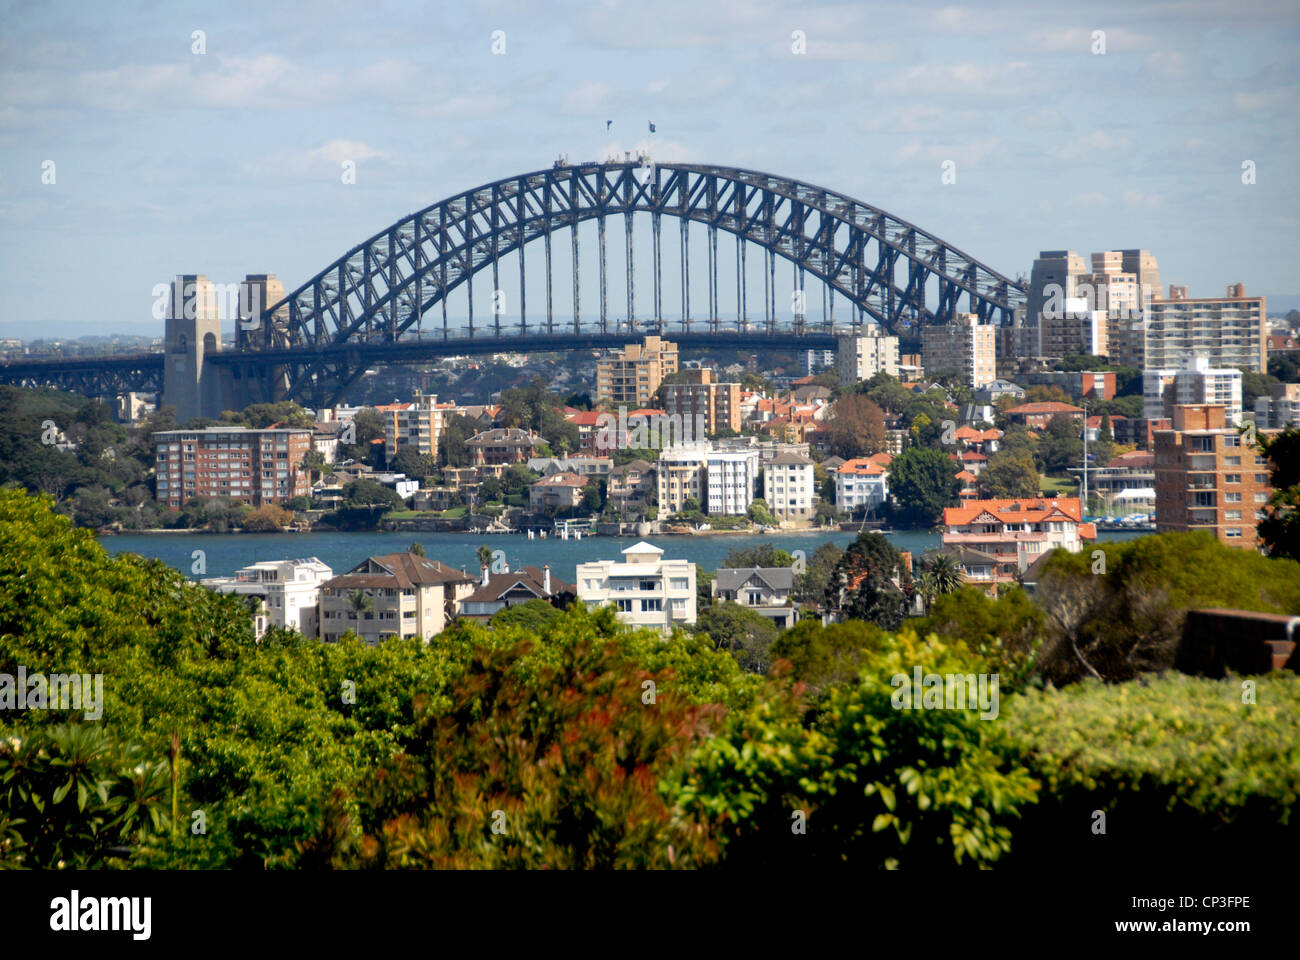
150,365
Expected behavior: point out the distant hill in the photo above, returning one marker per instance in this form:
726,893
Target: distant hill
1280,304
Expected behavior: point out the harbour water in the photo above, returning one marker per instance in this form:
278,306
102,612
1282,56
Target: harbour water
223,554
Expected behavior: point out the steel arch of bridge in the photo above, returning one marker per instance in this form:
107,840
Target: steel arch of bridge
379,290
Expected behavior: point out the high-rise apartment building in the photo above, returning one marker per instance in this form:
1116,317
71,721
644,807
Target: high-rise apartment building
1208,478
1053,279
1077,330
1280,409
700,396
788,486
1196,384
252,466
862,357
732,477
1229,331
1142,265
966,348
417,425
680,476
632,375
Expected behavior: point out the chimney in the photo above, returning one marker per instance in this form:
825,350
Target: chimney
546,579
485,574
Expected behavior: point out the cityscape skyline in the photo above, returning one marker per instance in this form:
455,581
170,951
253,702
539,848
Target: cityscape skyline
1180,99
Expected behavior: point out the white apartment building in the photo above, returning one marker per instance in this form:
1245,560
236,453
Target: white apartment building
965,348
394,595
788,486
283,593
862,357
861,485
1228,331
1197,384
645,589
732,477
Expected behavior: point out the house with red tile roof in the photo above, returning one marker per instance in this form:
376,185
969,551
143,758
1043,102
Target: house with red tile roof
1016,532
860,485
1037,415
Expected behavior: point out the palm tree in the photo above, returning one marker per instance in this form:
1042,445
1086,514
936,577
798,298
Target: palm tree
946,574
484,556
361,603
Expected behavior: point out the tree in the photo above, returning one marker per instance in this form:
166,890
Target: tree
1280,528
268,518
812,585
361,603
452,451
763,555
367,425
1061,444
259,416
1010,474
740,631
855,427
887,392
412,462
533,616
759,512
484,556
366,492
313,461
870,583
416,548
921,484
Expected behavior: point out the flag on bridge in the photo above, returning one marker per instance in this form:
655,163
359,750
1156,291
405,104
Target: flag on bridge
608,124
652,126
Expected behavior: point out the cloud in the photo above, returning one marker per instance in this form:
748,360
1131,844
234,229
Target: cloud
947,79
588,96
1080,40
1148,201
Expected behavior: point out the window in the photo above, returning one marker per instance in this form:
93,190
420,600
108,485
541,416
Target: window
1232,532
1232,515
754,598
649,585
1261,478
679,583
624,606
1261,497
1232,478
1232,498
652,605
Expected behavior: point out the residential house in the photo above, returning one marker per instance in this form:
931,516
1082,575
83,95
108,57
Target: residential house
283,594
496,591
559,491
632,486
788,486
645,589
394,595
503,445
861,485
768,591
1016,532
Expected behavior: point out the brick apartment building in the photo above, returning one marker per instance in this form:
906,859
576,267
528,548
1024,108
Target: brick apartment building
700,396
251,466
1207,478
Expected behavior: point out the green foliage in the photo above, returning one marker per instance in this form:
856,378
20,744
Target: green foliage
69,793
1280,528
759,512
532,616
1005,632
921,483
870,583
260,416
1186,772
744,634
762,555
811,586
820,656
1009,474
1129,619
880,786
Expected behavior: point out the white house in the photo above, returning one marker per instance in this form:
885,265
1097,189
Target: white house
394,595
286,593
860,484
646,590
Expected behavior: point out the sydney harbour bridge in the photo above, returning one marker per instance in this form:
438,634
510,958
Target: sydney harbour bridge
386,300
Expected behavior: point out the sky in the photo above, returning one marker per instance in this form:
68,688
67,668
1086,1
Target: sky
220,152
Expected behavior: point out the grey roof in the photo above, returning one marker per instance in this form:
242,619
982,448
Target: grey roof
787,457
637,464
733,578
